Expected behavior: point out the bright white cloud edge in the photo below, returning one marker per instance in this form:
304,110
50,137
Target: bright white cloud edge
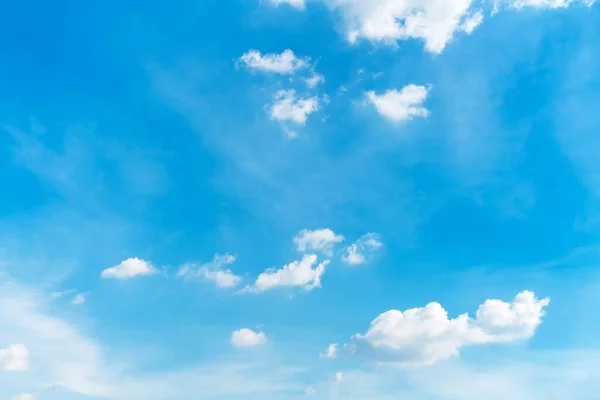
424,336
248,338
130,268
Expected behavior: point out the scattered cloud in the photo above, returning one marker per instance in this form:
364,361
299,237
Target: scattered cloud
296,274
435,22
423,336
288,108
14,358
317,240
331,352
213,271
314,80
358,252
79,299
58,295
552,4
130,268
310,390
401,105
248,338
338,377
299,4
285,63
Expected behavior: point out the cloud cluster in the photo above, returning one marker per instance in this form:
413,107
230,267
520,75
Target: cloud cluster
435,22
358,252
423,336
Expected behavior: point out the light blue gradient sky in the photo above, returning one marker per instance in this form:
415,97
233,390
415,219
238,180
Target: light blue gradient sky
133,130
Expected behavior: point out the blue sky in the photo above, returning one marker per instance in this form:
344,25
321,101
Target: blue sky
288,199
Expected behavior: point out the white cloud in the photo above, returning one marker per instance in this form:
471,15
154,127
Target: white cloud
129,268
552,4
314,80
80,298
423,336
310,390
287,107
248,338
58,295
299,4
285,63
471,22
331,352
317,240
213,271
401,105
358,252
295,274
435,22
338,377
24,396
14,358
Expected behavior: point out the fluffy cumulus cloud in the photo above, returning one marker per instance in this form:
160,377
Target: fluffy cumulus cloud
285,63
317,240
130,268
288,108
305,274
14,358
358,252
248,338
401,105
435,22
215,271
423,336
338,377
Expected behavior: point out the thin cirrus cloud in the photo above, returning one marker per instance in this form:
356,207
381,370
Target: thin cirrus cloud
130,268
287,107
402,105
24,396
299,4
435,22
15,358
424,336
285,63
322,240
359,252
215,271
305,274
79,299
248,338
